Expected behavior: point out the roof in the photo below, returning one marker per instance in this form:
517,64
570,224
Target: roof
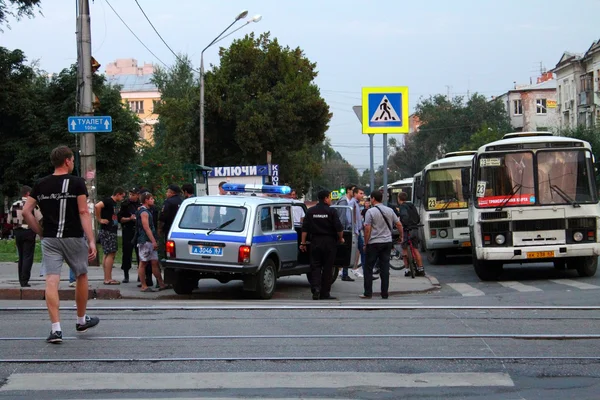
133,83
450,162
405,181
530,139
547,85
236,200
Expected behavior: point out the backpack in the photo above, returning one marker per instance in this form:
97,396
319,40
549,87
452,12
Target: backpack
412,217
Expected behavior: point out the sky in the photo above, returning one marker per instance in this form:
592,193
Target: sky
431,46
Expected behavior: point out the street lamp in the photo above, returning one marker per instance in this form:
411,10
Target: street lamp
241,15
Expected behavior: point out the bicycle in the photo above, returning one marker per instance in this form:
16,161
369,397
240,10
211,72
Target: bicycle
410,256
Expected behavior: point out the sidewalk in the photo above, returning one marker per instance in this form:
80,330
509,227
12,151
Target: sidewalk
292,288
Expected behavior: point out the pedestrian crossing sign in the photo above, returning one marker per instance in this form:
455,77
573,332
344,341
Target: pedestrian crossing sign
385,109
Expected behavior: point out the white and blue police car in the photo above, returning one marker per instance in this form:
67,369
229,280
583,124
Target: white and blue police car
249,236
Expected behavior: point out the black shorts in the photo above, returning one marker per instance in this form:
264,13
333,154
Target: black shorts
414,238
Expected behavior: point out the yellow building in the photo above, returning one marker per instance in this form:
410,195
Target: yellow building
137,92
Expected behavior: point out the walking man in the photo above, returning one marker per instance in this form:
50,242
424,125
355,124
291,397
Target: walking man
147,244
126,217
109,224
325,229
62,199
379,220
24,236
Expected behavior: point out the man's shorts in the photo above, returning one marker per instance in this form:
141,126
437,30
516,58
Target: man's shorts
147,252
73,251
108,240
414,238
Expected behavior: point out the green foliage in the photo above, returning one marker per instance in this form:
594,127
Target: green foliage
33,115
451,125
17,9
262,97
334,170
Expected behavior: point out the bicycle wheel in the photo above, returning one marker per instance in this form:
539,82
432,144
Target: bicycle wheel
410,259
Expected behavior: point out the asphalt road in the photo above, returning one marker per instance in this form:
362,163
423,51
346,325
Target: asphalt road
514,339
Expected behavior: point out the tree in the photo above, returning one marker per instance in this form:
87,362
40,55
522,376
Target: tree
335,171
17,9
262,97
33,115
448,125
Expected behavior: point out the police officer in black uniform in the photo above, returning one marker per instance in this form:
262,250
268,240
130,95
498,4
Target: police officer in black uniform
169,210
126,217
326,230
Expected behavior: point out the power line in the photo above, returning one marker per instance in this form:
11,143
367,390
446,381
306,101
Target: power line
161,38
133,33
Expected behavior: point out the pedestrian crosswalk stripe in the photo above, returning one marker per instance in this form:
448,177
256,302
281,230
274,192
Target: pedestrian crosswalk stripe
466,290
575,284
247,380
519,287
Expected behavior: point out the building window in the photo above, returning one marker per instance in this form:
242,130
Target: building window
517,107
541,106
137,106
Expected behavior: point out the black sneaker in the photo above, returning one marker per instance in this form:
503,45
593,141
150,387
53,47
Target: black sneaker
420,271
347,279
90,322
55,337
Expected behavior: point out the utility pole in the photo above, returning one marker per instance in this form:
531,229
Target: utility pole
84,75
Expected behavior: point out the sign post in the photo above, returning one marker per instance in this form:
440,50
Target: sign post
384,110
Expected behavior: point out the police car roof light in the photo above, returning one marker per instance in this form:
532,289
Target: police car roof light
249,188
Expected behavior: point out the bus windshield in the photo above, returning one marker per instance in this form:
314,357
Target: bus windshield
505,180
564,177
443,189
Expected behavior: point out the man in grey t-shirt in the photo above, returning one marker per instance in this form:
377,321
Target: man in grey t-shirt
379,222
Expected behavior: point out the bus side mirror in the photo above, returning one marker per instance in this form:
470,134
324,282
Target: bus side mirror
466,183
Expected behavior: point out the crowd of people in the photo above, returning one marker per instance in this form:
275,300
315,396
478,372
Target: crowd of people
374,226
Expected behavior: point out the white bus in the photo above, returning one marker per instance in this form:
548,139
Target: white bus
443,207
534,200
402,185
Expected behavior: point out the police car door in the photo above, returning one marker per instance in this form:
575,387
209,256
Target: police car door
285,235
346,253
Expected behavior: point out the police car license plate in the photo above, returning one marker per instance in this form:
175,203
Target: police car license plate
207,251
466,244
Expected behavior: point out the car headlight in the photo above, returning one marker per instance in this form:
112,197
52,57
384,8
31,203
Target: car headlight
500,239
443,233
578,236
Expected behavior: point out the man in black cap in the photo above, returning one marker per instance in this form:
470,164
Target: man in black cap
325,228
126,217
169,209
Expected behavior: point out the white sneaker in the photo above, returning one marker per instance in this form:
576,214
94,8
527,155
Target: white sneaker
357,272
72,284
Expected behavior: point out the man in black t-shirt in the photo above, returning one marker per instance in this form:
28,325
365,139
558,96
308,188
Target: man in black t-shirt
106,216
126,217
62,199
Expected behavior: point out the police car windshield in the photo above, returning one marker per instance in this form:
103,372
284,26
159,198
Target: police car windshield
207,217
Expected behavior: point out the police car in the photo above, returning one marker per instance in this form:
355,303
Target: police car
248,237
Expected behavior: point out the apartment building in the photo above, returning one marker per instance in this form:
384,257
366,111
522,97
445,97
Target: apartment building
533,107
137,91
578,78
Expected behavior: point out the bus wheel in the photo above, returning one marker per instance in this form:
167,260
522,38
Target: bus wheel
586,266
436,257
487,270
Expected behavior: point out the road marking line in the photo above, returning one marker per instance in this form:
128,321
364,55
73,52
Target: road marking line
519,287
246,380
466,290
575,284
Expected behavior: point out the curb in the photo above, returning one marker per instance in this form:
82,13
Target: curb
64,294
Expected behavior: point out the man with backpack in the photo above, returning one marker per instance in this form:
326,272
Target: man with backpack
410,219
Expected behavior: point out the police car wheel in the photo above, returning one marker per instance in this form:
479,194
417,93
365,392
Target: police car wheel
185,282
336,273
266,279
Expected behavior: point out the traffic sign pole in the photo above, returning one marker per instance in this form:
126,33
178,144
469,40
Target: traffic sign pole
385,169
371,163
88,140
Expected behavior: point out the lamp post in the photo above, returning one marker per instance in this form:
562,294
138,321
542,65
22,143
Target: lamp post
241,15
